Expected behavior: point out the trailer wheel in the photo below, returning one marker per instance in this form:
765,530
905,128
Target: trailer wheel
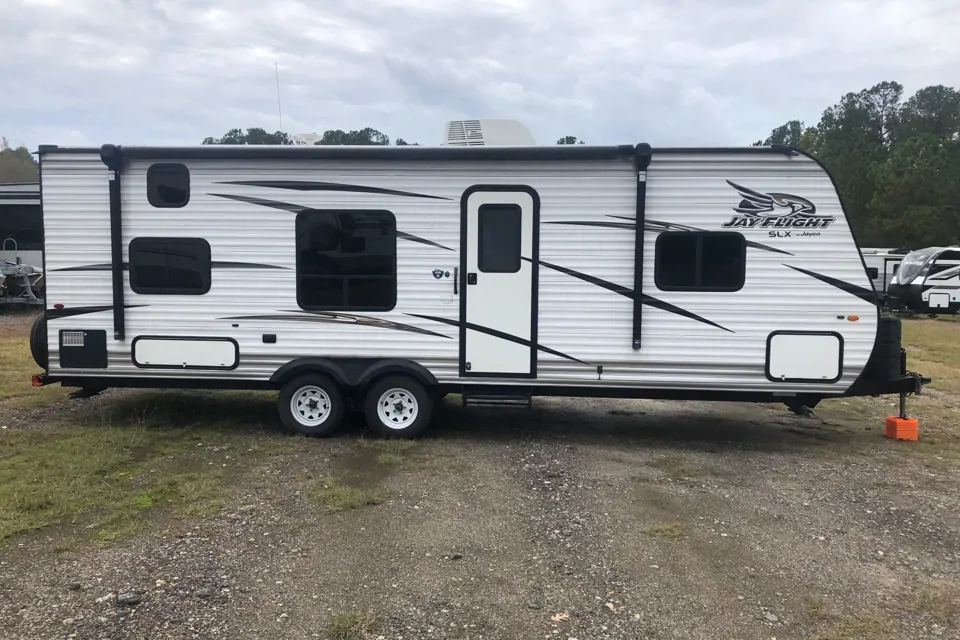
38,341
398,407
311,405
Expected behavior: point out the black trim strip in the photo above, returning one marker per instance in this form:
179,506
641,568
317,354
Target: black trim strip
372,152
309,185
216,264
67,312
404,153
403,235
22,195
868,295
641,163
112,158
628,293
338,318
498,334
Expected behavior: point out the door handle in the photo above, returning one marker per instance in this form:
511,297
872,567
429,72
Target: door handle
456,280
471,278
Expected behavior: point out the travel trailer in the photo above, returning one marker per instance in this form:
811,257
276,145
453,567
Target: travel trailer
882,265
390,276
928,281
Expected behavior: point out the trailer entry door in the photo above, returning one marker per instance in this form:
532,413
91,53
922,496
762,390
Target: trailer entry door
498,305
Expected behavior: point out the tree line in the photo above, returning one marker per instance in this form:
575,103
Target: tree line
896,162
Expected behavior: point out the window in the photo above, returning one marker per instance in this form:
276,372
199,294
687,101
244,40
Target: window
499,241
168,185
873,273
704,261
346,260
24,224
172,266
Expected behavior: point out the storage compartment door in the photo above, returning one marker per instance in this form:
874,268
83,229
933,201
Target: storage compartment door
797,356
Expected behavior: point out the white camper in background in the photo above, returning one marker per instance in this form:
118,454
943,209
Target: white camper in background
394,275
882,265
928,281
21,244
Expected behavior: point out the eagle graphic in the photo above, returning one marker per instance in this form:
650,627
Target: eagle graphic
772,205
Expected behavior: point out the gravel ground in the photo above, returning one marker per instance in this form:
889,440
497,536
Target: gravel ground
578,519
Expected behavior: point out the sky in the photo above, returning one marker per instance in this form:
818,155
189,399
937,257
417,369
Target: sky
668,72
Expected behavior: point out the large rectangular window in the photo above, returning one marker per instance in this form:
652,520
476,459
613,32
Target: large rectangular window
700,261
170,266
346,260
498,250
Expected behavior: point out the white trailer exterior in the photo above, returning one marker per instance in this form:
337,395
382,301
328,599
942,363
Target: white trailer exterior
489,271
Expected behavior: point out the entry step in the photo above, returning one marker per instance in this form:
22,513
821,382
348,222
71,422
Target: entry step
496,399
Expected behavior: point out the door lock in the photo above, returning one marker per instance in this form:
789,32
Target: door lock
471,278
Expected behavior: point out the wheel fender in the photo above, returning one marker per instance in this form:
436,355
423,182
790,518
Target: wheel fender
397,366
301,366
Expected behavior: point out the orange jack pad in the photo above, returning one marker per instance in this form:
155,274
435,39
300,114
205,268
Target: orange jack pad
902,428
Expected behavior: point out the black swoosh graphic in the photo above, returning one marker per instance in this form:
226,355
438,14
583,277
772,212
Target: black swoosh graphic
626,292
296,208
403,235
339,318
653,225
263,202
308,185
54,314
216,264
499,334
864,294
600,223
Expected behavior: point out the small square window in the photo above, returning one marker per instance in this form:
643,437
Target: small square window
168,185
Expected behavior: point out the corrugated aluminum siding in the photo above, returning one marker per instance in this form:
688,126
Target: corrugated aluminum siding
577,318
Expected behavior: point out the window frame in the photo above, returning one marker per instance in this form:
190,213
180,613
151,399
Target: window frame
514,208
151,192
341,308
205,267
699,236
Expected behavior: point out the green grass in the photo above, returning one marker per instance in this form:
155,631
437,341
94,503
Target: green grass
352,626
105,474
393,453
940,601
857,628
16,368
665,530
334,496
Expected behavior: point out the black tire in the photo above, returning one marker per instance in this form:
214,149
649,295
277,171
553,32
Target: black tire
410,419
301,391
38,341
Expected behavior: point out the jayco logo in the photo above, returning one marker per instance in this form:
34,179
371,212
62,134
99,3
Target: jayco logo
775,211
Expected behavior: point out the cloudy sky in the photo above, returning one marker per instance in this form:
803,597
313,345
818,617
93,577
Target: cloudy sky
610,71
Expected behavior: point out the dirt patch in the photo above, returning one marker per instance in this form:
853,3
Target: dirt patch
585,519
